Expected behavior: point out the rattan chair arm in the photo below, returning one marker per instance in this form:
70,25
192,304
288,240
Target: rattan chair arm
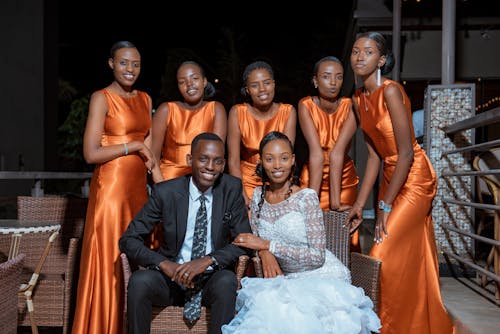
257,265
365,272
241,267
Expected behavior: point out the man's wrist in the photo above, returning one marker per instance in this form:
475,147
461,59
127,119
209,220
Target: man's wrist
215,263
155,267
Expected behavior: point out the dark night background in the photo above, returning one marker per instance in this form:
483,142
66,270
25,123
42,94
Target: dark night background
224,44
223,38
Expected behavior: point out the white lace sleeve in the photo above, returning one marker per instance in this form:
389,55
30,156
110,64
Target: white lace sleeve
309,254
254,208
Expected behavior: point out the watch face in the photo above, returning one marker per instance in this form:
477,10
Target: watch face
384,207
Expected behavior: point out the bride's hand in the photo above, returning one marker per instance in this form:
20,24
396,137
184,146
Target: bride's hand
270,266
249,240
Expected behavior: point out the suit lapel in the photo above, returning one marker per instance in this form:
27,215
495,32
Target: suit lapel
182,213
217,212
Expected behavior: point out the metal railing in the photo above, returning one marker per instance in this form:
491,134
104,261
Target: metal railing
483,271
38,177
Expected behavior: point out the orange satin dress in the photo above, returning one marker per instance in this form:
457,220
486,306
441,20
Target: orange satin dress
117,193
410,297
182,126
252,130
328,127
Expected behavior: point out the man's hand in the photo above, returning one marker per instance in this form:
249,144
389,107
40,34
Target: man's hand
185,273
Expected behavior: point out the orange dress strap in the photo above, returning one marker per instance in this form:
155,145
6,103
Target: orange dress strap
182,126
252,131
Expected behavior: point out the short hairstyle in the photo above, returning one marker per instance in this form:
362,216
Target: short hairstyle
324,59
120,45
256,65
205,136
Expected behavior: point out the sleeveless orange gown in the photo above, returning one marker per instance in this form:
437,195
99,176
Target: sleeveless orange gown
328,127
410,297
117,193
182,126
252,130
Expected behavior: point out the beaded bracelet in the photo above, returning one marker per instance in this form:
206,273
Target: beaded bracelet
126,148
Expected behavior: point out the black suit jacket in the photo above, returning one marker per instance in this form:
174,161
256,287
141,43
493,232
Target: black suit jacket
168,206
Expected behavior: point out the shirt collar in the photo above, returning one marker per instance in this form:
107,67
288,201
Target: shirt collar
195,193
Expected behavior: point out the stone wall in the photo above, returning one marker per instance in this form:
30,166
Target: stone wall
444,106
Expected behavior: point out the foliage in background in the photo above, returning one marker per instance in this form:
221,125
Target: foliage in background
70,136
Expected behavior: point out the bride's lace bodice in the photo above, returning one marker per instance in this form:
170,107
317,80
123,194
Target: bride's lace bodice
314,295
296,232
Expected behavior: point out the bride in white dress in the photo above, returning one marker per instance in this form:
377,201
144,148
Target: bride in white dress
306,289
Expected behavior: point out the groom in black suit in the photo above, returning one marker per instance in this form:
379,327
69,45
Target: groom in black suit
174,205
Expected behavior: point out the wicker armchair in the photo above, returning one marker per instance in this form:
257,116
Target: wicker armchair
53,296
365,270
10,280
169,319
70,212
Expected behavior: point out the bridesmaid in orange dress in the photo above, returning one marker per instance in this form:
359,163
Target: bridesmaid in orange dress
328,125
249,123
116,140
410,298
176,123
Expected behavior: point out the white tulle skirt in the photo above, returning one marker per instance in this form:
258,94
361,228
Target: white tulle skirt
302,305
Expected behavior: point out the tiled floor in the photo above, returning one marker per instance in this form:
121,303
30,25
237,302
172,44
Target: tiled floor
472,313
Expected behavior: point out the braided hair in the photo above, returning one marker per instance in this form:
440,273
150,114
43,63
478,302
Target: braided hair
260,172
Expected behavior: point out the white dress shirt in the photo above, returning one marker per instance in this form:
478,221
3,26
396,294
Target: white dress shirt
194,205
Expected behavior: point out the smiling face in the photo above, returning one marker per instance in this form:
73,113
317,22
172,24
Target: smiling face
277,160
329,79
260,86
366,57
207,163
126,66
191,83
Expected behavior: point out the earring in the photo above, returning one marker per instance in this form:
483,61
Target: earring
378,76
